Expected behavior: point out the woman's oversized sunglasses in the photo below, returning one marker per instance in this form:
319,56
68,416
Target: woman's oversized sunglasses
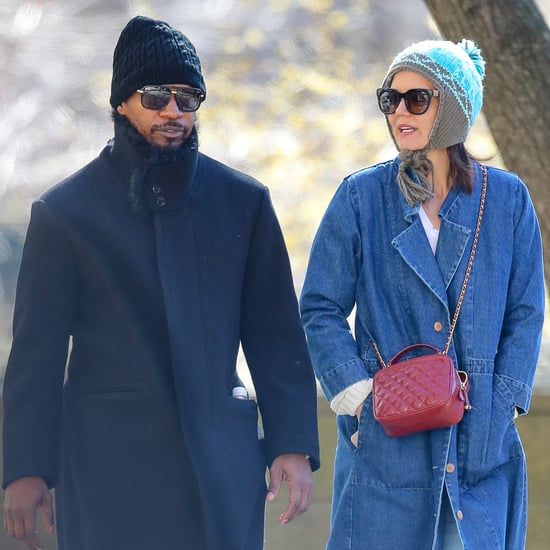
417,101
157,97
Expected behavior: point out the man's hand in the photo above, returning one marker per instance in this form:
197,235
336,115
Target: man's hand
24,497
295,469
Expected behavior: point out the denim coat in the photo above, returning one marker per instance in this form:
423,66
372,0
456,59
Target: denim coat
371,253
156,305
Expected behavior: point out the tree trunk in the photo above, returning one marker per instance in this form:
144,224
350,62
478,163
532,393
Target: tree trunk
515,42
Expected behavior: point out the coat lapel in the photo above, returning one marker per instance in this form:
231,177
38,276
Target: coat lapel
412,244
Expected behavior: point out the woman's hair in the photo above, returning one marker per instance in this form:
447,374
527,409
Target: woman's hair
461,166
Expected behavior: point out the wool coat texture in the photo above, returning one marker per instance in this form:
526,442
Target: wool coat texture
139,434
371,253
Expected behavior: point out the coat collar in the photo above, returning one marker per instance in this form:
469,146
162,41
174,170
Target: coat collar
156,181
438,271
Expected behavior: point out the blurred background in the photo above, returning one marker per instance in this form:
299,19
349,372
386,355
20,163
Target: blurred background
290,100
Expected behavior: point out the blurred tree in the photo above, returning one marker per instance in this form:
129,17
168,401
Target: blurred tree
515,41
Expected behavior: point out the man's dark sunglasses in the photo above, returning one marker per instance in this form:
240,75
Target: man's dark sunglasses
417,100
157,97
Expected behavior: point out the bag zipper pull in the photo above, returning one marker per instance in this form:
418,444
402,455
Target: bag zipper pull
464,387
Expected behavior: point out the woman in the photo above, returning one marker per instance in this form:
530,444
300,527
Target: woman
394,244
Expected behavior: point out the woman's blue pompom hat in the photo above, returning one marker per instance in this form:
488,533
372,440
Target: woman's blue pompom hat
457,71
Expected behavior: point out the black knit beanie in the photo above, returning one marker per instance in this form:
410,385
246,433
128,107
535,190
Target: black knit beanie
152,52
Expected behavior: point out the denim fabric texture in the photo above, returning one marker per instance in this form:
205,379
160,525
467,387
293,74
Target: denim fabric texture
371,256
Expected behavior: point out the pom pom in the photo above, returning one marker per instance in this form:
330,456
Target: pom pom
474,53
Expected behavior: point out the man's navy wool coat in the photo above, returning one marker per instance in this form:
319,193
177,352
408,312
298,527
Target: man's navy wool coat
143,437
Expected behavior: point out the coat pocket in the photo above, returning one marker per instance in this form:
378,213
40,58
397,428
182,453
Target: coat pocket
487,433
380,457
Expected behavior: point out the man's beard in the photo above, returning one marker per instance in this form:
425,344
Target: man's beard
152,151
181,134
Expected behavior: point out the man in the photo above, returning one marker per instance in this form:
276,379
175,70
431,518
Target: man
154,262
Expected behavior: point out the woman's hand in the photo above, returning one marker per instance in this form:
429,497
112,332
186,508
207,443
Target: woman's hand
355,436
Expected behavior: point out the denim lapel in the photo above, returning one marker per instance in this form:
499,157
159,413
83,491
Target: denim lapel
437,271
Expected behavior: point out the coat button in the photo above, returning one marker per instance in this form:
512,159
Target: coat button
460,515
161,201
438,326
156,189
450,468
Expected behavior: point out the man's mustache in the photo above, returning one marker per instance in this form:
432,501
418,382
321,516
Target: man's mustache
169,125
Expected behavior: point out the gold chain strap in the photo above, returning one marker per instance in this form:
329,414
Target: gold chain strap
466,275
470,260
378,354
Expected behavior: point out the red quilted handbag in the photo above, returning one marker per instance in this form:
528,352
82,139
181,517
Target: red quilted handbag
425,392
418,394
